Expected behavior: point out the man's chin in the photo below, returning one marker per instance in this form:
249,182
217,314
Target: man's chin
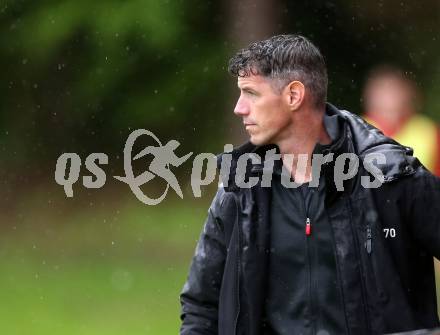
257,141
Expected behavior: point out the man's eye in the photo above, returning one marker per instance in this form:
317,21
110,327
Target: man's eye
250,92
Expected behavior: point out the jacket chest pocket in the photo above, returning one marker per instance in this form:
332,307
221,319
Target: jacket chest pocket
372,251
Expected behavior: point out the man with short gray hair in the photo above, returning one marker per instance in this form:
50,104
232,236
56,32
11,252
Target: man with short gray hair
345,248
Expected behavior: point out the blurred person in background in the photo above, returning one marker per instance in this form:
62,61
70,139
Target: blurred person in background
392,103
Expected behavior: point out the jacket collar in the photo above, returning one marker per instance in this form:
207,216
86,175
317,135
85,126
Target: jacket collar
355,136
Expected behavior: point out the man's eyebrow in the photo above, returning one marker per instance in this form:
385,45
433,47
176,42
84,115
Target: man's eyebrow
247,88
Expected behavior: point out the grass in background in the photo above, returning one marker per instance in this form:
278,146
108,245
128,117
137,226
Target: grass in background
85,298
113,266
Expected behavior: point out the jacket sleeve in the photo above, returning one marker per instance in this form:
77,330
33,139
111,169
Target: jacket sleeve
200,295
425,211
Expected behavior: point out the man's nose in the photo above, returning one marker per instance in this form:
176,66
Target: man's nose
241,108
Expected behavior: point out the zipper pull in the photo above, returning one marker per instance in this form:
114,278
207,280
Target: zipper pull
368,243
308,227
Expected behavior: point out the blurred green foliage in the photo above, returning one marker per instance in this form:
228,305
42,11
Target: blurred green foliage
79,76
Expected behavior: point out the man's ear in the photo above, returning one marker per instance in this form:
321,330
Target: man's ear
294,93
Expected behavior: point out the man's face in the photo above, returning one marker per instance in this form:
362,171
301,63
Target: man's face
263,110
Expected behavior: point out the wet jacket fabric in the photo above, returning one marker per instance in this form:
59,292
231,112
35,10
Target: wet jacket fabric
384,238
303,294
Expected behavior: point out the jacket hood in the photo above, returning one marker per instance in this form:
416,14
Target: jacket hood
357,136
366,139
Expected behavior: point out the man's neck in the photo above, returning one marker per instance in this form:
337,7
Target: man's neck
300,140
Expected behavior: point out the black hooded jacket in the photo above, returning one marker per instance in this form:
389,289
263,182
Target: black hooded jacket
385,239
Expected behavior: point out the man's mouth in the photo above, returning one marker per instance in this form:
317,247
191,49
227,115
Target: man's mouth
246,124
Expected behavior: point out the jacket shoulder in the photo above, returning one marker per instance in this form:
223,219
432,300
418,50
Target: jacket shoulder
421,183
224,210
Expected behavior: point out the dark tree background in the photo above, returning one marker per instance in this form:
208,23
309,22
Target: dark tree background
79,76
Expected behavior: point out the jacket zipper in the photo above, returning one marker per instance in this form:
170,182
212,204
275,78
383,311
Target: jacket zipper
308,232
369,238
310,284
372,263
238,271
308,227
